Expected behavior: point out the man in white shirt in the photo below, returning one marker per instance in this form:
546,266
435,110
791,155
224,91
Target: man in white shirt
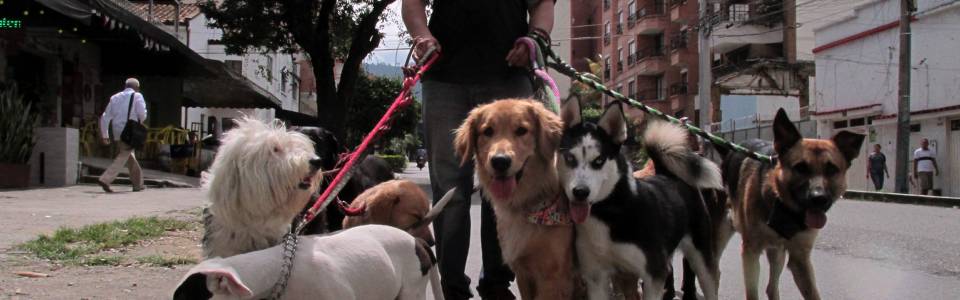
924,166
115,116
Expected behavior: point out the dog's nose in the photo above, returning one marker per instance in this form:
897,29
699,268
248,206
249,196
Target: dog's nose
500,162
316,162
818,197
581,192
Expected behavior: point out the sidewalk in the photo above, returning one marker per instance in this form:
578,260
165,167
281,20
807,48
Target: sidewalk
101,164
26,213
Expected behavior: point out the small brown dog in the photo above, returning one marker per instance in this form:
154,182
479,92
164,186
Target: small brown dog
514,144
397,203
780,208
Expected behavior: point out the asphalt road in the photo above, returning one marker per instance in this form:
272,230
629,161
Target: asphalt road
868,250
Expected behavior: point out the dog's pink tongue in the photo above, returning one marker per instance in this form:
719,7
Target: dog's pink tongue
579,211
503,188
816,219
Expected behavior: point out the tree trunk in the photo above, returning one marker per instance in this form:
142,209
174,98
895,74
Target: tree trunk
331,111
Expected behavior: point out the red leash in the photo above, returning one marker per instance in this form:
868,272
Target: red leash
403,100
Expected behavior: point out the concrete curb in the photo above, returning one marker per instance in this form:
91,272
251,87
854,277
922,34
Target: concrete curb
902,198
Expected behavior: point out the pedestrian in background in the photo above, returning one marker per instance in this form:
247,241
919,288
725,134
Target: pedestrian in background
479,63
125,105
877,167
925,166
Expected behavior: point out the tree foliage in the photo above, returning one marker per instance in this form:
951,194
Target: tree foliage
374,96
328,31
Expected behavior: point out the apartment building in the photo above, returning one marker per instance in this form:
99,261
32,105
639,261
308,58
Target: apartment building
649,50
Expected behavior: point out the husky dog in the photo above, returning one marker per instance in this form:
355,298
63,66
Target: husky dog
633,226
261,178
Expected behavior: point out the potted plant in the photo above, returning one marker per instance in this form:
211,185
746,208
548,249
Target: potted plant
17,122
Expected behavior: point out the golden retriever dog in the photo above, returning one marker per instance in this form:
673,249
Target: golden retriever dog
513,143
398,203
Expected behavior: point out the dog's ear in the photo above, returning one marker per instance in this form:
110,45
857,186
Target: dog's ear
570,112
212,278
613,122
466,136
785,135
849,144
549,129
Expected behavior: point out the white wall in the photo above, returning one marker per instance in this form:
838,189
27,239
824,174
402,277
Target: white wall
561,44
865,71
254,65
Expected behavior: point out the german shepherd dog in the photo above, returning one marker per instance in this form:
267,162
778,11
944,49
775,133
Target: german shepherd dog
780,208
628,226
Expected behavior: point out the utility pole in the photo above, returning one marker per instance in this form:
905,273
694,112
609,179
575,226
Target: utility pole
907,7
705,78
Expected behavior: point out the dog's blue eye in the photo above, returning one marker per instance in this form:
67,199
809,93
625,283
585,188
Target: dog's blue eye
521,131
597,163
488,132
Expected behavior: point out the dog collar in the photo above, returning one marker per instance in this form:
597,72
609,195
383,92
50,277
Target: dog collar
550,214
785,221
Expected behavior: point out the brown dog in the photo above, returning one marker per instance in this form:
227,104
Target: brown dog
780,208
398,203
514,144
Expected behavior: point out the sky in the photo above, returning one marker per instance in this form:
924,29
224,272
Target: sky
386,53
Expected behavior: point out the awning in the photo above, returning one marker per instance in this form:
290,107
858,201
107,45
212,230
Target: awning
70,8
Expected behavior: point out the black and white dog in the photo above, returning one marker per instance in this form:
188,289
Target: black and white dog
633,226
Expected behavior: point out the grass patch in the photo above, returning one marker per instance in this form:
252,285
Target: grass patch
79,245
100,260
165,261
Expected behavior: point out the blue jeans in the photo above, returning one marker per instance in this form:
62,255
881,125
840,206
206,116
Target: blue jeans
445,107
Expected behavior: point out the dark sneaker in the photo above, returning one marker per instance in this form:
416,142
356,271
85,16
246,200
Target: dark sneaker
496,294
137,189
106,187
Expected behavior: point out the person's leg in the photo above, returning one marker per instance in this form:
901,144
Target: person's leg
877,181
495,275
136,179
445,106
123,153
926,182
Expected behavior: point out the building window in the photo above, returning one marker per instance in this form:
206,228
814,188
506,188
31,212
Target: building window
915,127
606,33
606,68
857,122
632,7
659,87
632,48
631,89
620,22
955,125
840,124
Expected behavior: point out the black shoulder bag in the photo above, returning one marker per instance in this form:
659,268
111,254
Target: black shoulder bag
134,133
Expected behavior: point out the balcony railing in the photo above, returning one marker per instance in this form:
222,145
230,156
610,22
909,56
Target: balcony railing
648,53
632,20
606,38
606,4
648,95
678,41
677,2
654,9
679,88
632,58
761,12
606,73
619,66
619,28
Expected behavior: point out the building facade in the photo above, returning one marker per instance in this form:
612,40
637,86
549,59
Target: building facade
649,52
857,84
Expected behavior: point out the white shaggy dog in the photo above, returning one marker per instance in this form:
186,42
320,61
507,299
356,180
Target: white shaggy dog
261,178
365,262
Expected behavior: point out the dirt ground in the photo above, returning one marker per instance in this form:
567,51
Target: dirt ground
129,280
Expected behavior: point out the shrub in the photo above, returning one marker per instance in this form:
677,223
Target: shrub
17,121
397,162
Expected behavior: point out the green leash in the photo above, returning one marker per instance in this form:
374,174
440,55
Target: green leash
568,70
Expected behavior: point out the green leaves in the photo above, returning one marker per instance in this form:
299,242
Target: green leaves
17,122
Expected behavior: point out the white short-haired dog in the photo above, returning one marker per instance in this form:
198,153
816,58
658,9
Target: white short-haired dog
261,178
365,262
